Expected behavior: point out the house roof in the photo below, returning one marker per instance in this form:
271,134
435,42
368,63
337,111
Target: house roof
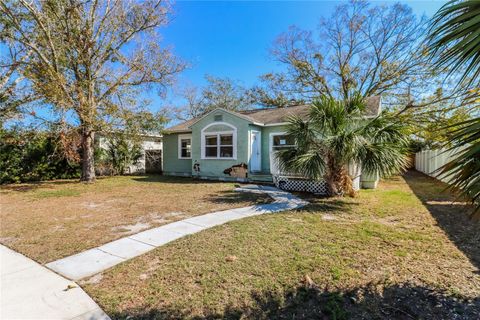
272,116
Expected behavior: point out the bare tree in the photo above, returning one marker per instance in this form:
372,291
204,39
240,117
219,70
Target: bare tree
91,58
225,93
218,93
193,103
374,50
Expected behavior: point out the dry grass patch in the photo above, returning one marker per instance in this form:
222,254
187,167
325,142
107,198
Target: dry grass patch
386,254
50,220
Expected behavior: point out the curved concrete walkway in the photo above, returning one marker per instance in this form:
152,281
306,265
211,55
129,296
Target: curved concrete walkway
98,259
31,291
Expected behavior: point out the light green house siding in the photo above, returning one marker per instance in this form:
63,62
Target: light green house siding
266,133
172,165
243,126
213,168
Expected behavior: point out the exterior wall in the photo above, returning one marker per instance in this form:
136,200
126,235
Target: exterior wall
148,143
172,165
369,181
355,171
266,132
213,168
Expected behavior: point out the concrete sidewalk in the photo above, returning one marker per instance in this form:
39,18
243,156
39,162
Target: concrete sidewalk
96,260
31,291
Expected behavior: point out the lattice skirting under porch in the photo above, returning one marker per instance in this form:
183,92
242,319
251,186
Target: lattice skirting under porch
300,184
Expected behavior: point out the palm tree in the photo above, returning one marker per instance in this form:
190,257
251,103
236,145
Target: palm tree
335,136
465,168
455,41
455,38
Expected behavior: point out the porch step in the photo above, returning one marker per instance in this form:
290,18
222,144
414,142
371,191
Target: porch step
260,177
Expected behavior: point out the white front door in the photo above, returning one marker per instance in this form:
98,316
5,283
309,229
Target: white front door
255,151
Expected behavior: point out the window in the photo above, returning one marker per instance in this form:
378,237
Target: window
211,146
282,141
185,147
279,141
219,145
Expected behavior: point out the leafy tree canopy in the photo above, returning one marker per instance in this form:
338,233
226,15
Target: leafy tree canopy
89,60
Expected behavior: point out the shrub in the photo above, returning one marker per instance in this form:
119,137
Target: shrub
33,156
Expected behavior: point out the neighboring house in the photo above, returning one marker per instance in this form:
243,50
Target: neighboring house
227,145
151,159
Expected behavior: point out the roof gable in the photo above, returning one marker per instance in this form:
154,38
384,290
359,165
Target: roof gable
186,126
217,110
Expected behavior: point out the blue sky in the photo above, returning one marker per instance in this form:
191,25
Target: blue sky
232,38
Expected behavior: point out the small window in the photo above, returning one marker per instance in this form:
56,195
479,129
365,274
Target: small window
218,117
185,148
282,141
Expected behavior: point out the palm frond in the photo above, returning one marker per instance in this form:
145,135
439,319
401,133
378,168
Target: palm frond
309,164
464,169
328,115
335,136
384,159
455,38
302,132
355,105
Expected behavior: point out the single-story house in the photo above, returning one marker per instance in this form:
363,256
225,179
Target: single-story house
228,145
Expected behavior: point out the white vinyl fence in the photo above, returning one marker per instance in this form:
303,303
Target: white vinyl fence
430,161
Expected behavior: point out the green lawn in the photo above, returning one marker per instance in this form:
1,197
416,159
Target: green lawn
403,251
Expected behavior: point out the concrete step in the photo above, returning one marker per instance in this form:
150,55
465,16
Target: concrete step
260,177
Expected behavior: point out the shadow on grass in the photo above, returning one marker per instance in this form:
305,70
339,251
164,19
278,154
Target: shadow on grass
331,206
325,204
374,301
451,216
31,186
173,179
232,197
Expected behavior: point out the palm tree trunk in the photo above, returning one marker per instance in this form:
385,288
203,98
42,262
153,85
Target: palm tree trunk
337,178
476,215
333,177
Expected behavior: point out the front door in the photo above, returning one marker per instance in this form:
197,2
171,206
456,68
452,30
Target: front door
255,151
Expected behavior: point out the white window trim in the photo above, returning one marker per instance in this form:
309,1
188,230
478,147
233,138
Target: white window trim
273,134
233,132
180,138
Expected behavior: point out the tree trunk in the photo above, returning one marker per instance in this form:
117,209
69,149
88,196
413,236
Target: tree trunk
88,165
338,180
333,178
476,215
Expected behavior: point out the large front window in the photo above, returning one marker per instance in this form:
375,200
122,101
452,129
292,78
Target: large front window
218,145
